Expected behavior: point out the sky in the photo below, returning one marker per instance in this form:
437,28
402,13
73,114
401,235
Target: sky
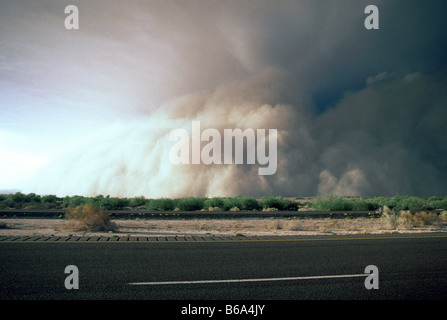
89,111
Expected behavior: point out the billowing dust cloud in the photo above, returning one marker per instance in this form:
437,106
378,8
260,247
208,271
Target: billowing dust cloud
250,64
370,143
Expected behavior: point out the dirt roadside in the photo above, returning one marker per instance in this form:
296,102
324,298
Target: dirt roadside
248,227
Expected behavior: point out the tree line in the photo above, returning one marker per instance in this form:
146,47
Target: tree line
19,200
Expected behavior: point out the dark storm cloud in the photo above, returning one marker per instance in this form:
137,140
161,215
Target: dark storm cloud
391,131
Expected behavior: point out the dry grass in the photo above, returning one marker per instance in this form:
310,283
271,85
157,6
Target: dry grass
358,225
88,218
408,220
286,225
79,224
275,225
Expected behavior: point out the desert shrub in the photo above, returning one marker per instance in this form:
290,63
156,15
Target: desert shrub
162,204
278,203
437,203
19,200
392,220
242,203
6,202
229,203
50,198
423,218
390,217
293,226
32,198
390,202
74,201
248,203
275,225
332,204
213,203
403,203
50,202
190,203
396,203
137,202
364,204
113,203
88,218
411,203
98,201
405,218
109,203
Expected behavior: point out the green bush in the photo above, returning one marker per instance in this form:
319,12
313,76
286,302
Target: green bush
50,198
332,204
163,204
403,203
190,203
19,200
137,202
248,203
242,203
113,203
229,203
213,203
437,203
75,201
278,203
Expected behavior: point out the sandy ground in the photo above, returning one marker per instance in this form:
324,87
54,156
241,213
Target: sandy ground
247,227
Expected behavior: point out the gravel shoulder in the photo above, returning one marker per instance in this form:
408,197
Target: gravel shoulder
248,227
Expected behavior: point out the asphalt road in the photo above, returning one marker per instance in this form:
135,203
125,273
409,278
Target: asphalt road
410,267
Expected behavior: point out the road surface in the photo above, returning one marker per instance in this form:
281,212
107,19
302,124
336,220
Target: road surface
410,267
